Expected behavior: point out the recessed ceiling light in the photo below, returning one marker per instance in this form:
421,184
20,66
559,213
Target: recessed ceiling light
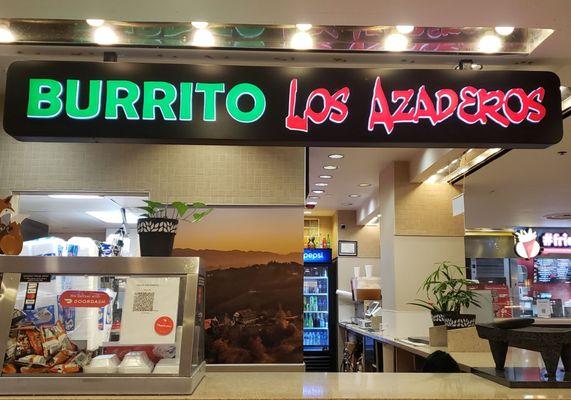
105,35
307,212
318,191
199,24
330,167
326,176
313,197
364,184
354,196
490,44
203,38
404,29
396,42
504,30
113,217
74,196
321,184
6,35
303,27
336,156
311,203
346,204
301,41
95,22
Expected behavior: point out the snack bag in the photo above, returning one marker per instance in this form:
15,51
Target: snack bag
65,369
23,346
35,340
9,369
33,359
61,357
33,370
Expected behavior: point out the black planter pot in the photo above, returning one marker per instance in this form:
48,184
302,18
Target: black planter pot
457,321
156,236
437,318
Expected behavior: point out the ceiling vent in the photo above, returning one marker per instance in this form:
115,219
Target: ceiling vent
566,216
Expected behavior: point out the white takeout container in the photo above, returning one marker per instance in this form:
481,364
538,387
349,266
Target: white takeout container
167,366
136,362
104,364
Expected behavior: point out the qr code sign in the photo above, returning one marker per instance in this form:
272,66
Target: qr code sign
143,301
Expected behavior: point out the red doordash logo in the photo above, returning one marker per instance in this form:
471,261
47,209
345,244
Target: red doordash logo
471,105
84,299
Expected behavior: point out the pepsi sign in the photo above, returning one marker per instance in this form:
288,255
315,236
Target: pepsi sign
316,256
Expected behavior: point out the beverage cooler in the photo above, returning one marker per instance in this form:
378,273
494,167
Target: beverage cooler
319,310
101,325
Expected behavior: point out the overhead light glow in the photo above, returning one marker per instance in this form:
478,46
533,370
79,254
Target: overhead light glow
404,29
346,204
364,184
6,35
432,179
203,38
301,41
330,167
335,156
313,197
490,44
95,22
74,196
504,30
199,25
396,42
307,212
318,191
354,196
304,27
321,184
113,217
441,170
311,203
105,35
326,176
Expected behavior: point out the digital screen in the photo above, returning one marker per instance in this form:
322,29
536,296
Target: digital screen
316,255
552,270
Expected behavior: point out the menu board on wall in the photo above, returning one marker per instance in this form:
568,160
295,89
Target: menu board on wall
552,270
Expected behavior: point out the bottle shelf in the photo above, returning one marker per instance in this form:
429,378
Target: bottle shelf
315,312
317,329
315,277
315,294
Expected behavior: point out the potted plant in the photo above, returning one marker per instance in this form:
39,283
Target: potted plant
158,225
446,291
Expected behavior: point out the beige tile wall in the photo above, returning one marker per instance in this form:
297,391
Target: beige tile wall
424,209
214,174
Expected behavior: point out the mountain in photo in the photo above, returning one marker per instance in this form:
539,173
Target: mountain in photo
220,259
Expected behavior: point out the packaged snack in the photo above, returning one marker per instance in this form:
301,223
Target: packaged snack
33,359
61,357
35,340
65,369
9,369
81,359
17,317
61,335
34,370
11,347
23,346
51,343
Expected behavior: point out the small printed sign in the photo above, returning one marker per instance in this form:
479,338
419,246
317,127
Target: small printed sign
36,278
83,299
164,325
316,255
527,245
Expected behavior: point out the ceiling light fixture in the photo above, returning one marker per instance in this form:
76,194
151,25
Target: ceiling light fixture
313,197
301,41
95,22
321,184
6,35
330,167
396,42
354,196
336,156
113,217
311,203
318,191
326,176
404,29
346,204
490,44
203,38
307,212
504,30
364,184
199,24
104,35
303,27
469,64
74,196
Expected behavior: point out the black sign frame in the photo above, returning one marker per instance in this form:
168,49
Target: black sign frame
343,98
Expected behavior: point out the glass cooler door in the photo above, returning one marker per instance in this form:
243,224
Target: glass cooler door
315,309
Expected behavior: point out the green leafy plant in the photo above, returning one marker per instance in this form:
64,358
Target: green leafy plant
189,212
446,290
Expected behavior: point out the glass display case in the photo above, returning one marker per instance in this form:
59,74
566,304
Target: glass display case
87,325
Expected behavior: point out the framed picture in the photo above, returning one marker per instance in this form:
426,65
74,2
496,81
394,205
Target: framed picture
348,248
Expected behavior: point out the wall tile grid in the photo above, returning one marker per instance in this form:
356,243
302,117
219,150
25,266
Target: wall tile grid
220,175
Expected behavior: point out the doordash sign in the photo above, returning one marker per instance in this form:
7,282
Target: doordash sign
165,103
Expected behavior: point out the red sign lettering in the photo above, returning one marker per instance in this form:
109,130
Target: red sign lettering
84,299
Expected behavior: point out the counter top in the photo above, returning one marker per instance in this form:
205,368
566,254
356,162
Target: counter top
466,360
342,386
